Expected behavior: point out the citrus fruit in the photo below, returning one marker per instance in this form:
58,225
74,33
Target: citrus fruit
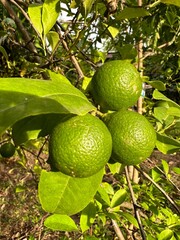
133,137
116,84
80,146
7,150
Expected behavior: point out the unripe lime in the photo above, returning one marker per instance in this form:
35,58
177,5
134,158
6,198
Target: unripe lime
116,84
133,137
80,146
7,150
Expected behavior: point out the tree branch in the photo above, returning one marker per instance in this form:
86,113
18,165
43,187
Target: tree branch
136,207
25,15
117,230
160,189
168,179
25,34
73,58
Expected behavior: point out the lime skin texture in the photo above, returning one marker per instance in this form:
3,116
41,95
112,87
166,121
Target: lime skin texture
80,146
115,85
133,137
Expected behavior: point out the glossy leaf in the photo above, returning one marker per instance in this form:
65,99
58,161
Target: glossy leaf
157,84
50,13
166,144
20,98
160,113
165,167
130,218
159,96
165,234
118,198
87,4
58,222
102,196
174,111
35,14
62,194
87,216
53,39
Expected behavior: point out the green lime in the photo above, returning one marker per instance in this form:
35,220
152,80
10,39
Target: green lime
80,146
116,84
133,137
7,150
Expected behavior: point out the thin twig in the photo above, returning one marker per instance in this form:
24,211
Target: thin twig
161,171
73,58
24,32
160,189
136,207
25,15
117,230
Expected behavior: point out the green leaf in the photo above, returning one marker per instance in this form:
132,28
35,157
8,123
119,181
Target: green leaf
53,39
174,111
165,234
57,77
87,216
50,13
58,222
34,127
174,2
128,51
3,51
157,84
118,198
156,176
130,218
132,13
87,4
166,144
160,113
165,167
102,196
113,30
159,96
115,167
59,193
35,14
20,98
176,170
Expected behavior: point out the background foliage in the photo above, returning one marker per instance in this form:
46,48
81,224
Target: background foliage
65,42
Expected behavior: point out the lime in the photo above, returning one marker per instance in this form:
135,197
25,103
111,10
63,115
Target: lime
133,137
116,84
80,146
7,150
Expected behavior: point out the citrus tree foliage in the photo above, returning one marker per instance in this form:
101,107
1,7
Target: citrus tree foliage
49,51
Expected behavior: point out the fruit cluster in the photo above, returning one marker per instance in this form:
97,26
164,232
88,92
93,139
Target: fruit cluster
82,145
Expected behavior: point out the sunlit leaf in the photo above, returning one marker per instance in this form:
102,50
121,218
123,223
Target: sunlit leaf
35,14
62,194
87,216
132,13
166,144
50,13
118,198
21,97
165,234
53,39
159,96
60,222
